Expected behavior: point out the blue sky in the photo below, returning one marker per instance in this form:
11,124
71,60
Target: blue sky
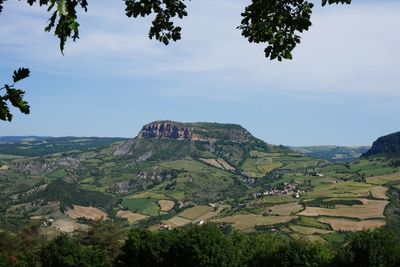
341,88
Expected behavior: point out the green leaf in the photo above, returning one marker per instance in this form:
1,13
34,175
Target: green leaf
20,74
5,114
73,26
62,8
287,55
15,96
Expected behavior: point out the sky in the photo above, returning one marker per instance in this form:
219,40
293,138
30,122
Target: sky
341,88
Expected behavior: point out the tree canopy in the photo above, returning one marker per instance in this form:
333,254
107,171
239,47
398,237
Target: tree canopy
206,245
276,23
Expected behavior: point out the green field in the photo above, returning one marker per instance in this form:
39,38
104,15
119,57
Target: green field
142,205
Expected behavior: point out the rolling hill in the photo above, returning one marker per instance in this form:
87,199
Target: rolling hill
333,153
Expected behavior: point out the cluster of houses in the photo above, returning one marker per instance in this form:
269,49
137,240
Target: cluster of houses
313,173
288,189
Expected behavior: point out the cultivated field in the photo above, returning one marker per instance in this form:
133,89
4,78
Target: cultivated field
369,209
142,205
177,221
379,192
195,212
304,230
194,215
210,214
383,179
166,205
86,212
130,216
246,222
149,194
271,200
311,222
341,224
67,225
285,209
343,190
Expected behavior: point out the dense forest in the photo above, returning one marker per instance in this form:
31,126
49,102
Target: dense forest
108,244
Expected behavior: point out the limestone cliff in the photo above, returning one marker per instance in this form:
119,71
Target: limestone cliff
165,129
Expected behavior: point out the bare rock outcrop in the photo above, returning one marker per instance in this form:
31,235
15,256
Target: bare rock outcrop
165,129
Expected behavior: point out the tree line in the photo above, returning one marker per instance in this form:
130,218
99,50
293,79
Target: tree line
108,244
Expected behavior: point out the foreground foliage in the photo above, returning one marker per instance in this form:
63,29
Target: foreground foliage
207,245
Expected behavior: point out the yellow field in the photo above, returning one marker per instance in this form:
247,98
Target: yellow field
177,221
245,222
87,212
351,225
379,192
369,209
345,190
130,216
383,179
205,217
304,230
285,209
166,205
68,225
195,212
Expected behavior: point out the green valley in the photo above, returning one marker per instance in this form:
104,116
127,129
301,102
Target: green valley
174,174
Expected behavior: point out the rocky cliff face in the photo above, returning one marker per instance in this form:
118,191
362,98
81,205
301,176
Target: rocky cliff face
195,131
388,146
165,129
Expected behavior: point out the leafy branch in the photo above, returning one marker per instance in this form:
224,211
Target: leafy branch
277,23
14,96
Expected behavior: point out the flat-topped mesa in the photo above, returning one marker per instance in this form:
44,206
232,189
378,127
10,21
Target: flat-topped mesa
170,139
200,131
165,129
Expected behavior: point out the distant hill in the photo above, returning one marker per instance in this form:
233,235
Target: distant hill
333,153
37,146
387,146
19,139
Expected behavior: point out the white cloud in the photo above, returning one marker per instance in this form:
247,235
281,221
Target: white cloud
349,49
